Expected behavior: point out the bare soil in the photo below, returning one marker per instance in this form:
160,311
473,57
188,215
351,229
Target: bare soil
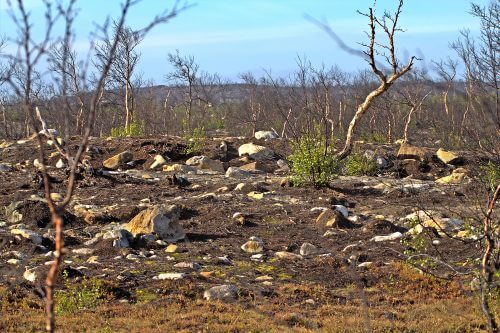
323,292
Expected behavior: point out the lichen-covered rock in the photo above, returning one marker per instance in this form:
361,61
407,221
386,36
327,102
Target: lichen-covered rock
448,157
160,220
118,160
411,152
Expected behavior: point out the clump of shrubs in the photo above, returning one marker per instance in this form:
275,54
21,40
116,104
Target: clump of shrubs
359,165
312,161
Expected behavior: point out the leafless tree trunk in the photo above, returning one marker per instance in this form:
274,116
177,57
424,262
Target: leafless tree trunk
389,24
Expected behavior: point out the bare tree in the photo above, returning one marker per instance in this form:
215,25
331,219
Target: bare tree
389,24
185,73
123,65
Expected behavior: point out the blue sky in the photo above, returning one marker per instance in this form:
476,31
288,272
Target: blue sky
234,36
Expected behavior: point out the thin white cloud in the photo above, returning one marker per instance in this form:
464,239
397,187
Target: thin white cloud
228,36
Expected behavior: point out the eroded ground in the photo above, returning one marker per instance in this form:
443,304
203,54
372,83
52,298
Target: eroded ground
346,282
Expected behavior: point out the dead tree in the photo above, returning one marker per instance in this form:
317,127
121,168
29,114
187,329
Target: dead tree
185,72
389,24
123,65
488,261
374,49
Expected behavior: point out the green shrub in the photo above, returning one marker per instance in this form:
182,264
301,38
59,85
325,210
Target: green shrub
195,141
359,165
136,128
310,162
86,295
491,174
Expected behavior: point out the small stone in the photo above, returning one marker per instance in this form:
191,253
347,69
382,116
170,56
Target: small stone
37,164
254,245
179,168
158,162
343,209
390,237
308,249
83,251
240,187
93,260
60,164
255,195
310,301
240,218
365,264
13,261
235,172
207,274
188,265
56,197
329,233
132,256
172,248
222,292
160,220
288,255
205,163
172,276
258,256
454,179
30,275
264,278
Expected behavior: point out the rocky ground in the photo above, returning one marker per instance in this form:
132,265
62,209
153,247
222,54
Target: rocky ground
219,241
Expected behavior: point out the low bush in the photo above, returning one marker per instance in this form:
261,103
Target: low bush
311,162
359,165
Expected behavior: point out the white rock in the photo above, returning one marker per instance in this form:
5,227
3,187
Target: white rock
60,164
308,249
30,275
171,276
255,151
342,209
239,187
390,237
205,163
159,161
318,209
189,265
235,172
222,292
13,261
132,256
365,264
266,135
